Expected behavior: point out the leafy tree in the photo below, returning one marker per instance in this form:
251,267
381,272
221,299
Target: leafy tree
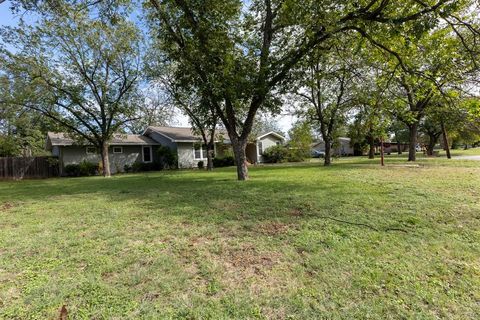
300,141
400,134
153,109
430,66
327,91
78,68
239,53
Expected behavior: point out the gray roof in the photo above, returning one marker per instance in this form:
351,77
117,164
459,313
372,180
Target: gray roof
62,139
181,134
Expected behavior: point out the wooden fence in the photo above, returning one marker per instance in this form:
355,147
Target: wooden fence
28,168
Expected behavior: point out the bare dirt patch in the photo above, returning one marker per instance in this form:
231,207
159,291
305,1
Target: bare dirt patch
273,228
6,206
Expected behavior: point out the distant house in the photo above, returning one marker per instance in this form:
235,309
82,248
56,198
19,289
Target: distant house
130,148
341,147
264,141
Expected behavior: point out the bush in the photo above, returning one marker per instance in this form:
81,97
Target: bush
168,158
142,167
295,156
227,161
275,154
200,165
82,169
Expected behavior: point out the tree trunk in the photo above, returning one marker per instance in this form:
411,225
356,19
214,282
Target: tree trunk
382,155
105,160
431,144
371,152
412,147
328,153
399,147
239,150
445,141
210,153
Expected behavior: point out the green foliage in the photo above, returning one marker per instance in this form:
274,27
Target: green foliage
225,161
276,154
300,142
143,167
168,158
83,169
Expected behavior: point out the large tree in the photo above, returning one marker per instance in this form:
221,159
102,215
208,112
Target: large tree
238,53
77,66
327,89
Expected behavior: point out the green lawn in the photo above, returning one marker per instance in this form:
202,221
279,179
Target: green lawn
352,241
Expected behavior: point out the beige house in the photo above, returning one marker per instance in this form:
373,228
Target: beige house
256,148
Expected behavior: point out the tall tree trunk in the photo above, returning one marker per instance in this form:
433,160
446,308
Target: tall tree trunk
210,153
239,150
105,160
412,147
432,141
399,147
371,151
445,141
328,152
382,155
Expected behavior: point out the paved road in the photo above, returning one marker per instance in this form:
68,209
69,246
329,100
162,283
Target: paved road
467,158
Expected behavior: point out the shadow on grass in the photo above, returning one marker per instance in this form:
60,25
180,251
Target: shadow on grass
273,193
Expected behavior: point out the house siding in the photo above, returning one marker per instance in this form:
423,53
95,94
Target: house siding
186,155
267,142
130,155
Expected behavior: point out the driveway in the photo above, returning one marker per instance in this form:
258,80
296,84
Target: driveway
467,158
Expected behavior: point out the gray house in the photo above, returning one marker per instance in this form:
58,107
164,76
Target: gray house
190,150
124,150
127,149
341,147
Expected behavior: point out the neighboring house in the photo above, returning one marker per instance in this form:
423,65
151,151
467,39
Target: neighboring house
124,150
264,141
131,148
341,147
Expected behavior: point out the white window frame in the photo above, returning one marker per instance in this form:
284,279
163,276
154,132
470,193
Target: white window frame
202,153
143,154
114,147
88,152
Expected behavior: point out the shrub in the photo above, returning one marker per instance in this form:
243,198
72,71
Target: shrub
82,169
275,154
200,165
168,158
142,167
226,161
72,170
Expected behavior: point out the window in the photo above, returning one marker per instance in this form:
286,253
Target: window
117,150
260,147
200,151
91,150
197,149
147,153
